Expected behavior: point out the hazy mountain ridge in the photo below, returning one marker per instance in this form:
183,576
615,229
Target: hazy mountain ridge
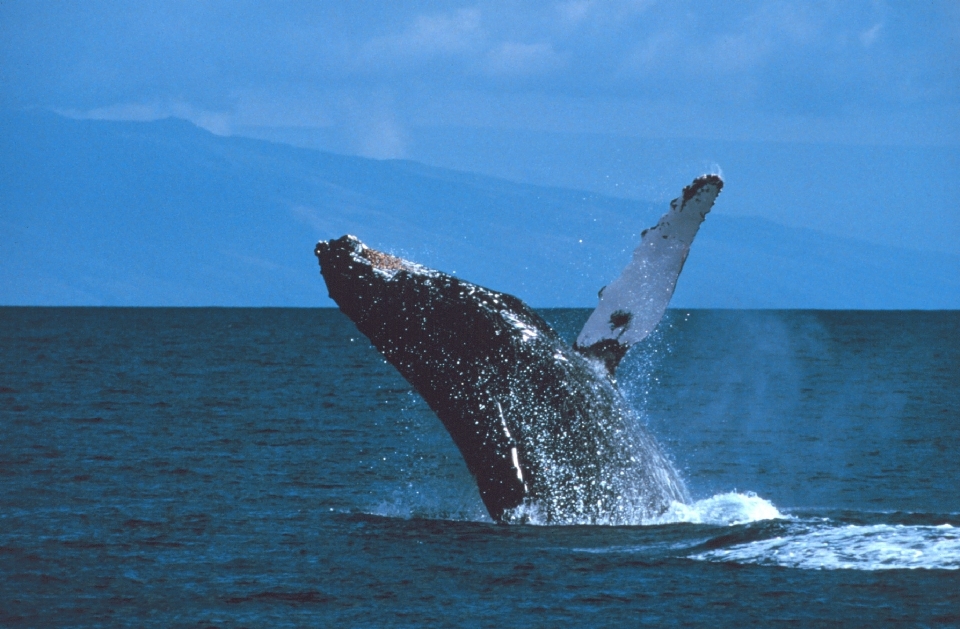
163,213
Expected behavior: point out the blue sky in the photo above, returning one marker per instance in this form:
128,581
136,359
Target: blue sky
849,72
403,80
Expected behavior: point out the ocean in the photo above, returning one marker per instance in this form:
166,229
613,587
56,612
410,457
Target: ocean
206,467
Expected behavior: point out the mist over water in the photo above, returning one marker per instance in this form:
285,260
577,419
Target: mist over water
267,467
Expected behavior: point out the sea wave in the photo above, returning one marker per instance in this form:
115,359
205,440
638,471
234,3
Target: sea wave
851,547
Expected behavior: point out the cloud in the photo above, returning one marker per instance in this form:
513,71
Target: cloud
869,36
575,11
308,64
513,58
428,36
605,14
213,121
307,107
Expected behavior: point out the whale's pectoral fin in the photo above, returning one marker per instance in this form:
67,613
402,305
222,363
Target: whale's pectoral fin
633,304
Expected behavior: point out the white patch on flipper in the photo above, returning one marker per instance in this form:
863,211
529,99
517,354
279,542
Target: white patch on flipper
643,290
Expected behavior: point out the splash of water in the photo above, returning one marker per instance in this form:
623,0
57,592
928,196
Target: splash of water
727,509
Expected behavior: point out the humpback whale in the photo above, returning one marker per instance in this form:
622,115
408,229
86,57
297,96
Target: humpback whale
541,425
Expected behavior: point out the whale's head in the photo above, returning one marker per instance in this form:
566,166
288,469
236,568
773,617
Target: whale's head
350,273
360,279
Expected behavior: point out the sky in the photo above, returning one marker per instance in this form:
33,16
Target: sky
849,72
413,79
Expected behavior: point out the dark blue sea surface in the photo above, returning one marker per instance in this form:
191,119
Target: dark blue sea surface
266,468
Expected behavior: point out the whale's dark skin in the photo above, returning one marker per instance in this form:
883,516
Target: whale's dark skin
538,423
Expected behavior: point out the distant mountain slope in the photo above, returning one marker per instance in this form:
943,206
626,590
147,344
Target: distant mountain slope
761,264
163,213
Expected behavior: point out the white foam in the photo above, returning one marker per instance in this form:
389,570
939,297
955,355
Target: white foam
727,509
876,547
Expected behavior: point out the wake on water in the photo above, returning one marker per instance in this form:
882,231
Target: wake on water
810,543
802,543
827,546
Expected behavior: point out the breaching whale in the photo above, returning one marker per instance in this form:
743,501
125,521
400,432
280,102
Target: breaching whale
541,425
